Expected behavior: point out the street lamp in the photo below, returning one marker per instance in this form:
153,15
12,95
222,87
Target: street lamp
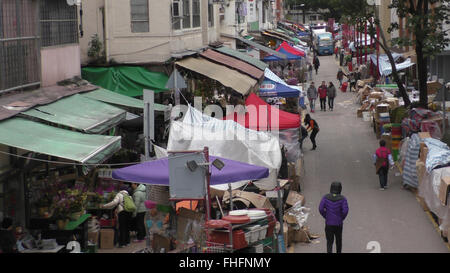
303,8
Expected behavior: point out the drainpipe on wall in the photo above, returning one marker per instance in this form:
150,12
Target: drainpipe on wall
106,29
204,16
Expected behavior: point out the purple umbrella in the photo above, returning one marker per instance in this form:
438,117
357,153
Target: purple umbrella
157,172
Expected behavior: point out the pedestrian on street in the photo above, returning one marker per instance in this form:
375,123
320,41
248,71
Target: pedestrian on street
312,96
139,196
334,208
331,94
352,80
340,77
323,96
311,125
316,64
303,135
123,216
380,158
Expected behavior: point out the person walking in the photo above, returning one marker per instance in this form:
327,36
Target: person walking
331,94
312,96
316,64
311,125
123,216
323,96
340,77
380,158
303,135
352,80
139,196
334,208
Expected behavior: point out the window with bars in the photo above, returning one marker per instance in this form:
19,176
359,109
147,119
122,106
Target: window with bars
186,14
139,16
19,44
196,13
210,15
59,23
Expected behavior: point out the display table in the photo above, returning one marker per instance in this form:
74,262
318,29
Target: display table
35,250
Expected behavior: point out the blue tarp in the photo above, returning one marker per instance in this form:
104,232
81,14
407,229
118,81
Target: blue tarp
271,88
289,56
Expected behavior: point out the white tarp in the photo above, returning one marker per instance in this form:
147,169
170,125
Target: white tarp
386,67
228,139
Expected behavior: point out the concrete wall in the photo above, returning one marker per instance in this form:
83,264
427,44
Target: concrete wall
124,46
59,63
92,24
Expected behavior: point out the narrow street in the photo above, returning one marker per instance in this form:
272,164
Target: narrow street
393,217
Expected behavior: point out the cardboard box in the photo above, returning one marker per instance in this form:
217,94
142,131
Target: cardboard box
298,236
295,197
286,235
259,201
93,237
184,217
421,169
106,238
444,190
423,152
160,242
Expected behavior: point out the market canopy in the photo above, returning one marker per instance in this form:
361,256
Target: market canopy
81,113
157,172
119,100
274,86
44,139
291,49
126,80
256,45
265,117
226,76
244,57
227,139
289,56
233,63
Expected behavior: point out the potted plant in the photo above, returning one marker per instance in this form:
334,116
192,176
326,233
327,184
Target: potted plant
77,202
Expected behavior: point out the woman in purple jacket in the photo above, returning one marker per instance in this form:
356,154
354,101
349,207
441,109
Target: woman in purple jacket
334,208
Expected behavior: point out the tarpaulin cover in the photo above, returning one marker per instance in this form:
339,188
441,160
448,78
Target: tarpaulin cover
226,76
157,172
263,117
227,139
274,86
49,140
291,49
126,80
243,57
81,113
412,154
385,67
429,191
289,56
119,100
233,63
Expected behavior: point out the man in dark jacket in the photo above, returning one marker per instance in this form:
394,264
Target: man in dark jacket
334,208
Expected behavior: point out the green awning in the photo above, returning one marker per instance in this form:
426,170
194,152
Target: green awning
118,99
40,138
244,57
126,80
81,113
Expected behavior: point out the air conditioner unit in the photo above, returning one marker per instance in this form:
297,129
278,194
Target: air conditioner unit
73,2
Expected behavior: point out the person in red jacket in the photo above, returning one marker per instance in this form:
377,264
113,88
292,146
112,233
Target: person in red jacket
382,159
323,96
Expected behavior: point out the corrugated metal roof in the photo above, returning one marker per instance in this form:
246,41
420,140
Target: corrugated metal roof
233,63
256,45
228,77
244,57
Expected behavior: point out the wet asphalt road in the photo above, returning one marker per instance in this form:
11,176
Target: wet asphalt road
392,218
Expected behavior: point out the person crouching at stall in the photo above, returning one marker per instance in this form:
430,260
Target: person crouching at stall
123,216
311,125
334,208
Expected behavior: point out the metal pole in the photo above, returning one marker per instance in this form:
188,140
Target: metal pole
149,121
208,177
231,196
